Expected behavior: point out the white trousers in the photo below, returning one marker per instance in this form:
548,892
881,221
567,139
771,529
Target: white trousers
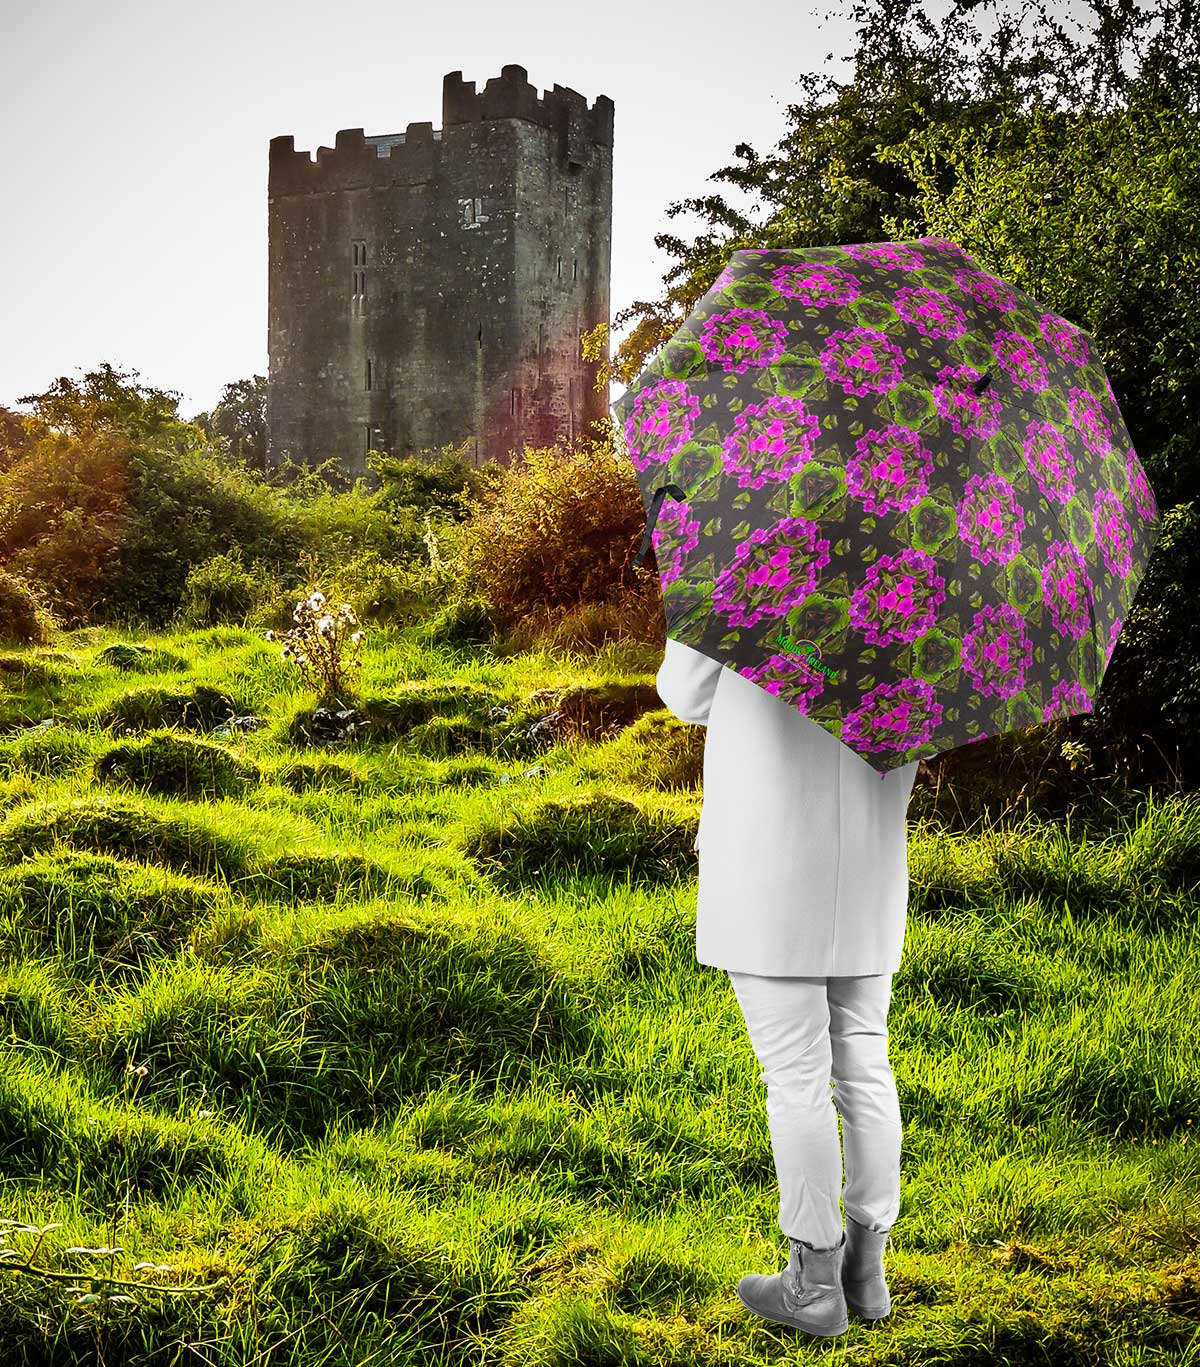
807,1033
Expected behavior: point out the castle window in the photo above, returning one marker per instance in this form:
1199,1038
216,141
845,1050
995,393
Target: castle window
574,268
512,393
472,212
358,278
366,439
368,385
560,267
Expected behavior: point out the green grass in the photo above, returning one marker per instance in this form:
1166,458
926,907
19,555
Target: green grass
399,1052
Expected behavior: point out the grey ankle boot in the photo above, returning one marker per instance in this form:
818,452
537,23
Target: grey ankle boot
806,1295
862,1272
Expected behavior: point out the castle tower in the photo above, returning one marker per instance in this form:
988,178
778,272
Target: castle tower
430,287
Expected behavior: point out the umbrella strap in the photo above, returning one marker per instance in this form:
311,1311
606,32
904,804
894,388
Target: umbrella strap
982,383
652,516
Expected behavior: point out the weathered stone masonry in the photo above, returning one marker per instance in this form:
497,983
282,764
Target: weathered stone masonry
431,286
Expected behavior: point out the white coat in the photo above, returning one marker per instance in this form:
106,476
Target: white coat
803,848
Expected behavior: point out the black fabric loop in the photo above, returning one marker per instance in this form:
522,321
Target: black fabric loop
982,383
652,516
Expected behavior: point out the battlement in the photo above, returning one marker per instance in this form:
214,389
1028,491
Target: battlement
408,158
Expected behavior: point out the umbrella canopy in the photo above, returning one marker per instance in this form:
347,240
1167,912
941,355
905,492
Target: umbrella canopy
892,489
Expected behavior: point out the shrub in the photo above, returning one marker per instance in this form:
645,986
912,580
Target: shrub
304,775
554,531
24,617
177,766
224,589
464,621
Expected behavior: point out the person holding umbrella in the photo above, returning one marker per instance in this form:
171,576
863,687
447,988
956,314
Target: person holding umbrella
802,899
906,515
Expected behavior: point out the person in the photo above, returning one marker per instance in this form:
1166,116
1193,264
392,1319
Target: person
802,899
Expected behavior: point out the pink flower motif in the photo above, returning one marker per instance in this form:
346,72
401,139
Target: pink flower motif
789,678
1112,532
969,414
1067,589
996,651
660,422
1067,699
894,717
990,520
1069,342
899,599
862,361
815,284
675,533
931,312
1090,421
1020,361
770,440
889,472
987,288
740,338
773,570
1139,486
1049,460
888,256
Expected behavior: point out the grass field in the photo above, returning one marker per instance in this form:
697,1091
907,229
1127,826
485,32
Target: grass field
397,1051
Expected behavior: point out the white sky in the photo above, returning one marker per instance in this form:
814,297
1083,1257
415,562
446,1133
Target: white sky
133,207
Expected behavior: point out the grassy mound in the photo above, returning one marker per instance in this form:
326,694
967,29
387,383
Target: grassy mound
44,753
177,766
658,751
147,709
123,829
310,877
594,712
597,834
354,1020
136,658
100,916
304,775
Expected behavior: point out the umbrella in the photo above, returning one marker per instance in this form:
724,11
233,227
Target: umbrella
892,489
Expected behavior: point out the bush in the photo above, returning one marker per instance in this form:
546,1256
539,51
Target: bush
657,751
24,618
557,531
224,589
136,658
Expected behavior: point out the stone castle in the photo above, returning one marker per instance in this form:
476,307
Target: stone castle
431,287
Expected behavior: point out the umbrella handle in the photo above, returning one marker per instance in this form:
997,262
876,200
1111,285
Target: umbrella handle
652,516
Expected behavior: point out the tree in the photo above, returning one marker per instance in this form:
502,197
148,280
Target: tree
110,400
239,421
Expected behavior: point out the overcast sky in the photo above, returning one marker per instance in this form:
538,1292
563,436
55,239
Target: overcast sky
133,224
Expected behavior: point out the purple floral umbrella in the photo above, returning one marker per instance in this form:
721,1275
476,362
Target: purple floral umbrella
903,497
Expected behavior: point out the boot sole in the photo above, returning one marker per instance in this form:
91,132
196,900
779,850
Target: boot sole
795,1323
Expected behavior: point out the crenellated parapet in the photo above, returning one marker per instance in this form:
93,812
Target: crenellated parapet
357,160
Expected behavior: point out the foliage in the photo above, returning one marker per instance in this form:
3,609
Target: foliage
24,617
224,589
239,421
556,530
325,646
430,483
